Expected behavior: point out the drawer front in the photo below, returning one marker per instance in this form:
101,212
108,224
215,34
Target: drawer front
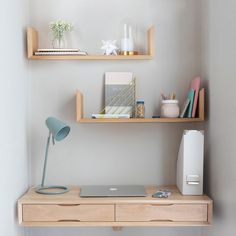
172,212
67,213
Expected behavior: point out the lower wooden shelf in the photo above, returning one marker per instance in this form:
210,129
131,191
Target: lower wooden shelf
70,210
80,117
146,120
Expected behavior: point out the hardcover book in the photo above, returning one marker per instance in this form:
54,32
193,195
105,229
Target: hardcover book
184,108
195,84
191,98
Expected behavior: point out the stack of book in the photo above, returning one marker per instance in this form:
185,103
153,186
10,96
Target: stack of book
189,108
59,52
110,116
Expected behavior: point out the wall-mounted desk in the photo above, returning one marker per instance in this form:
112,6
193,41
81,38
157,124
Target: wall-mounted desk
71,210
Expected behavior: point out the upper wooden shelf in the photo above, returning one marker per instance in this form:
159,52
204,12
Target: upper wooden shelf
32,46
80,117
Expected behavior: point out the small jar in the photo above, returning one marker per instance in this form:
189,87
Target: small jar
140,109
170,109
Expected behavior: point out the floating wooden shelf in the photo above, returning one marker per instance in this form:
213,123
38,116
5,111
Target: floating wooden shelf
70,209
81,119
32,46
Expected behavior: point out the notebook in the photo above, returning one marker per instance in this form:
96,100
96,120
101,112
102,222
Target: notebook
195,84
191,98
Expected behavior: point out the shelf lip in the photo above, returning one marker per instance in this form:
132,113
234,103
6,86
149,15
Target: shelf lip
92,57
145,120
116,224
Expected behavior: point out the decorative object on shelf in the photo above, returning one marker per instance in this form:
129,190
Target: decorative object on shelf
57,131
128,39
170,109
170,106
109,47
155,119
58,29
119,93
140,109
32,46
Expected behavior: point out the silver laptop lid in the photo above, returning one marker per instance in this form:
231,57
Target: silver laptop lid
113,191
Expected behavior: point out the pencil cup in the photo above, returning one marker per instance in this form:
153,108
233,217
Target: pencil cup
170,109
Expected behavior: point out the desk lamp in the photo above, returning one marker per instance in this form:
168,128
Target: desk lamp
58,131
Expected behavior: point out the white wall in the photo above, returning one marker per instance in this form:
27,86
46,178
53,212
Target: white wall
219,68
112,153
13,118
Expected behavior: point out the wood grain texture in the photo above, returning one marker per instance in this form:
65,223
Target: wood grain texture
201,104
115,224
151,41
82,120
72,197
145,120
93,57
32,41
171,212
32,45
79,106
68,213
210,213
70,209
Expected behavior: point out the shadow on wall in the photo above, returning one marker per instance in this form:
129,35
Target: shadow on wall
68,109
127,231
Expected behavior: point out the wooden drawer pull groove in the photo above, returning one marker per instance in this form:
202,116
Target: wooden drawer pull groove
161,221
68,221
162,205
65,205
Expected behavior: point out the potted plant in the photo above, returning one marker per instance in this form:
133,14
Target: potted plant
58,29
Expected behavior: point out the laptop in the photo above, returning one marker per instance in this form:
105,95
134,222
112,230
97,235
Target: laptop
113,191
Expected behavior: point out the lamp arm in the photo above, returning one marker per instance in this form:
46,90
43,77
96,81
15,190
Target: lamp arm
45,160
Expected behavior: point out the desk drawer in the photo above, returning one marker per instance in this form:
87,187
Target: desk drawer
68,213
172,212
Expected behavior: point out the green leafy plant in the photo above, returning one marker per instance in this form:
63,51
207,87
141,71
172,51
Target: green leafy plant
58,28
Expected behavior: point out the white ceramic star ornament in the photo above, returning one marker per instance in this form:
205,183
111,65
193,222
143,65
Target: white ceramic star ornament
109,47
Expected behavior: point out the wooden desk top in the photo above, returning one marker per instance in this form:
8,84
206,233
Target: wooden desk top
72,197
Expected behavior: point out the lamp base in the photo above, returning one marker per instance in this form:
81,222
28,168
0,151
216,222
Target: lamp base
43,190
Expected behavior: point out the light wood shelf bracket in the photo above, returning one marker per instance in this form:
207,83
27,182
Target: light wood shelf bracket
32,46
32,41
80,117
151,44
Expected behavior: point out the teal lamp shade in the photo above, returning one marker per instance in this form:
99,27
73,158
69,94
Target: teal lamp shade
58,129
